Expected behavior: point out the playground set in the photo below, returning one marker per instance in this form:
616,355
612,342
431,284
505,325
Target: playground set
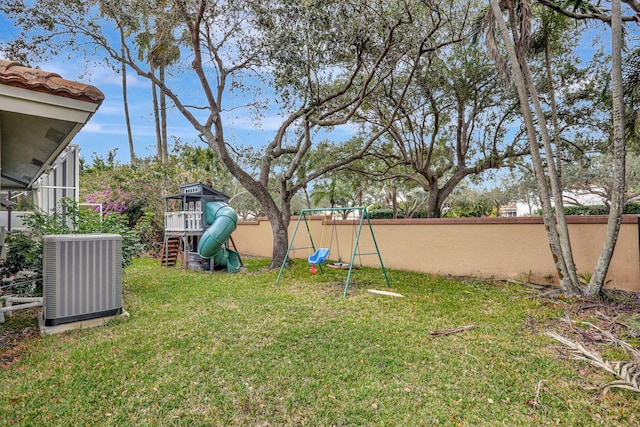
321,253
199,223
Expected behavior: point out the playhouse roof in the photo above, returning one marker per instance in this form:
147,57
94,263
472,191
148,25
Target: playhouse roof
198,190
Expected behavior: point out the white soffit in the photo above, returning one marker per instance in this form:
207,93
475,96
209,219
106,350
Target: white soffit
26,101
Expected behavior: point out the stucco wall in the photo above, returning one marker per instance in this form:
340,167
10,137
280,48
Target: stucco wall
515,248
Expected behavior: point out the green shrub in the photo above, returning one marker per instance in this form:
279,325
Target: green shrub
70,219
420,214
383,214
586,210
23,254
26,252
632,208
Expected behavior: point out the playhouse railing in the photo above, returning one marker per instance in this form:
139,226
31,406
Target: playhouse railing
183,221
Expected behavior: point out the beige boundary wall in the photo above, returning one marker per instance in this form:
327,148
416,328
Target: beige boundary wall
502,248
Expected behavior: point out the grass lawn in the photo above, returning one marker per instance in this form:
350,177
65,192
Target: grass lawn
235,349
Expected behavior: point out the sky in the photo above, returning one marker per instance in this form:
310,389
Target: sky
106,130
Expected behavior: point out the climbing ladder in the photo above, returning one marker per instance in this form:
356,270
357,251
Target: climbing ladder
170,250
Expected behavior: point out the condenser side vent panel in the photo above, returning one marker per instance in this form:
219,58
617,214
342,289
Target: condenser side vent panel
82,277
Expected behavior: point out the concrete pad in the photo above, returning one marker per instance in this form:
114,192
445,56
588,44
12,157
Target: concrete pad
82,324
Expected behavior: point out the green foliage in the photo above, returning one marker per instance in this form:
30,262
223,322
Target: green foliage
382,214
585,278
586,210
333,192
388,214
632,208
437,138
69,218
23,254
468,209
148,233
100,163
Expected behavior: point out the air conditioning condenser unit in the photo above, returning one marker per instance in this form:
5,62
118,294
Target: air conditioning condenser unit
82,277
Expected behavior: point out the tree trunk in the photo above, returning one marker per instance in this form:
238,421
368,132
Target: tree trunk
163,119
554,179
156,117
549,219
437,196
554,109
125,100
619,155
394,202
279,220
306,197
553,176
434,203
280,232
564,229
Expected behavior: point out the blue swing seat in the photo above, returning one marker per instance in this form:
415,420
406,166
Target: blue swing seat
319,256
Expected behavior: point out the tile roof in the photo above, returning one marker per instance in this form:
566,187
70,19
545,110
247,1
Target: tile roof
15,74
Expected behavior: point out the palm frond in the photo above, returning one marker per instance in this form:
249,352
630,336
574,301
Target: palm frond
615,340
525,15
477,24
491,42
628,372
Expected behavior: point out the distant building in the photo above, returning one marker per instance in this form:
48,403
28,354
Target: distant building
579,197
515,209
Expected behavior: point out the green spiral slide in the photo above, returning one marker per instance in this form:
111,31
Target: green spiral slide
222,220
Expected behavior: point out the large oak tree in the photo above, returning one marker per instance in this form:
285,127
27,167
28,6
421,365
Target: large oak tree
317,62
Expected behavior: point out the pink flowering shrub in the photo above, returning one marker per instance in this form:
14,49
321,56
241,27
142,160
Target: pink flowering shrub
112,200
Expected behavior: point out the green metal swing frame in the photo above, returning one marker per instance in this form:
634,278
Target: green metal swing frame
364,215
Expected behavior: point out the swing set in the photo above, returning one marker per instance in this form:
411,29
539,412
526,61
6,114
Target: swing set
321,253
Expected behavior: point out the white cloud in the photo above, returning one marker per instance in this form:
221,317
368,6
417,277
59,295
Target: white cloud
273,122
265,124
92,127
142,131
116,129
97,74
110,109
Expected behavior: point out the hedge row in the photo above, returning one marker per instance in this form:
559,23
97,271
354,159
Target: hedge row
632,208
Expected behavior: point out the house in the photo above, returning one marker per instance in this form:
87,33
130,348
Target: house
40,113
593,196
